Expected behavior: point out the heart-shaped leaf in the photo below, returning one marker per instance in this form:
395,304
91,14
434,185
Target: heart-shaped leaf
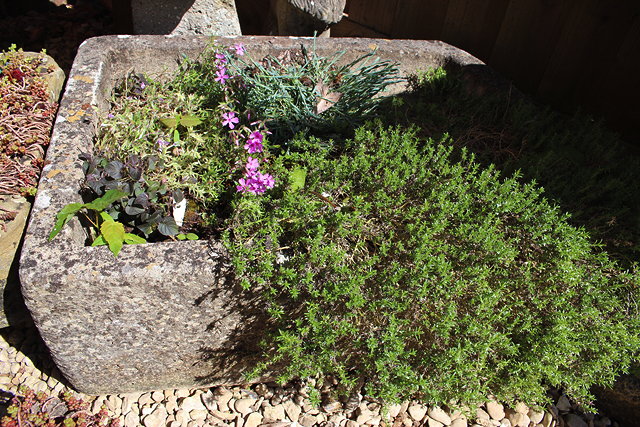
114,169
168,226
113,233
133,210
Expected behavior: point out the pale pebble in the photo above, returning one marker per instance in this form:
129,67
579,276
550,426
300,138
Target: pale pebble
417,411
292,410
439,414
275,413
199,414
495,410
156,418
253,420
191,403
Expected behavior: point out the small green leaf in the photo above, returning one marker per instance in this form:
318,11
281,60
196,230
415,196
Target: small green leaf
188,236
103,202
113,233
63,217
190,121
297,178
176,136
132,239
171,122
69,209
106,217
99,241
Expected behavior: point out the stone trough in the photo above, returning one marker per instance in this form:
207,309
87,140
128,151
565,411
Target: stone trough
160,315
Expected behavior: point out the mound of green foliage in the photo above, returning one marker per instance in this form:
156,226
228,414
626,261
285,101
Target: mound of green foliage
430,276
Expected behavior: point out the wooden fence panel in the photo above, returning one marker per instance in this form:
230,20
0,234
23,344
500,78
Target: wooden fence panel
474,25
528,30
619,88
417,19
381,12
567,52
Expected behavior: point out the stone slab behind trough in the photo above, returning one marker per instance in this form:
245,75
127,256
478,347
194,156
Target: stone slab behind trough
161,315
202,17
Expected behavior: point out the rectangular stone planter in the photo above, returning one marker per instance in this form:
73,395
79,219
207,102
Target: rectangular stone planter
161,315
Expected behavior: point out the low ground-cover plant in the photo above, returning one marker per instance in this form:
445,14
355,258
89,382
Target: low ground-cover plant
387,256
430,276
29,408
585,168
26,117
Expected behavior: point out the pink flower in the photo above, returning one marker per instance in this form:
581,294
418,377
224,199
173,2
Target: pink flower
255,183
229,119
254,143
220,58
221,75
252,165
239,48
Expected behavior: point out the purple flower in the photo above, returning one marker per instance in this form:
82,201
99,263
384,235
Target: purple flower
142,85
239,48
221,75
229,119
110,116
254,143
220,58
255,183
252,165
162,143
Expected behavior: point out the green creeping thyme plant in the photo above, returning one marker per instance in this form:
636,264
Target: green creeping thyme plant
384,254
430,276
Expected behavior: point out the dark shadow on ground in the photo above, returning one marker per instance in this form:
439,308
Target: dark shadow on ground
34,25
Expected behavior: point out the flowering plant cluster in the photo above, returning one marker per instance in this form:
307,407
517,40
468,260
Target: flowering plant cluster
248,139
207,133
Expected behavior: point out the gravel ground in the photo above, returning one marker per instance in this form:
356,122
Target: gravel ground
24,360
